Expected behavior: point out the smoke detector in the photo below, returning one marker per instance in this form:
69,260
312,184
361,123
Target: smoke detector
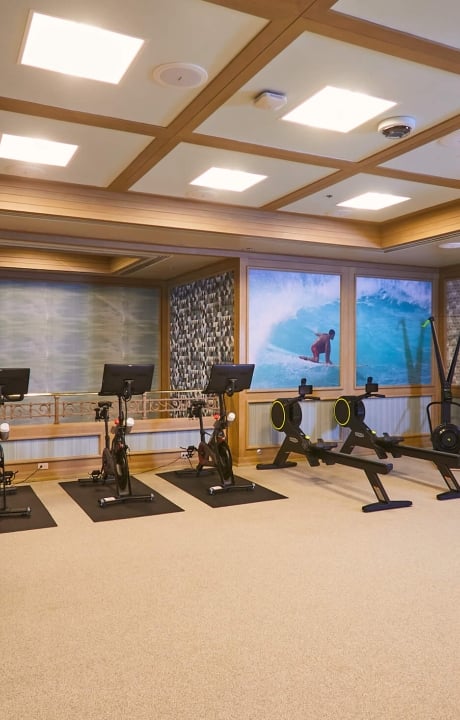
270,100
395,128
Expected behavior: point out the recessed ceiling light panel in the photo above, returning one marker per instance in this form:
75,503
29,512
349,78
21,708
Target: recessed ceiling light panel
223,179
35,150
450,245
372,201
336,109
77,49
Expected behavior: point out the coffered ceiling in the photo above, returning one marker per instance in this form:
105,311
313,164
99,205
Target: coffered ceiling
125,205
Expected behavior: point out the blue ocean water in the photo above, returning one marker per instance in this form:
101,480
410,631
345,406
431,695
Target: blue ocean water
392,346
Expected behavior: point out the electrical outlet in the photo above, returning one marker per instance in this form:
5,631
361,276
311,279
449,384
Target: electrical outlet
185,455
42,466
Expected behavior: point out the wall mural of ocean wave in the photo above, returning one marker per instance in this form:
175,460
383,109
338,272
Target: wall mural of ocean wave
288,312
392,345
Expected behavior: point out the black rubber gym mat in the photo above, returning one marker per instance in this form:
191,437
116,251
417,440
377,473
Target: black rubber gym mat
198,486
87,496
25,497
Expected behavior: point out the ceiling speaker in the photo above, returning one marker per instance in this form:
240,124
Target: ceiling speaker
177,74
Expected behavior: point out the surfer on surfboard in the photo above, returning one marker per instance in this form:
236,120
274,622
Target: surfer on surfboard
322,345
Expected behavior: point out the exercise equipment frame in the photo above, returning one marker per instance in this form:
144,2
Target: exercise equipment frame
214,451
350,412
106,471
286,416
125,381
14,384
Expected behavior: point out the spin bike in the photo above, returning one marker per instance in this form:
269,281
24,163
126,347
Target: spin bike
214,451
6,477
107,469
14,384
127,380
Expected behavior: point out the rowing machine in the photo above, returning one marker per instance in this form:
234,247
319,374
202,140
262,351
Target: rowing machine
350,412
286,416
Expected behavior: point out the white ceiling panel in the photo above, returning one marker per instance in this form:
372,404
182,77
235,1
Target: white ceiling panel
310,63
438,21
440,157
100,156
421,196
172,175
189,31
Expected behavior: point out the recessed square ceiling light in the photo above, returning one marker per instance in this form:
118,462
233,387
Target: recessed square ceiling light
77,49
222,179
451,245
373,201
34,150
335,109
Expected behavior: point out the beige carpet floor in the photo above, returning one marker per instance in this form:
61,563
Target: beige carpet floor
297,609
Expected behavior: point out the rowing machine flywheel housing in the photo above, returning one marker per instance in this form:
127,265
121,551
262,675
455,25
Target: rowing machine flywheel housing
347,409
285,411
446,438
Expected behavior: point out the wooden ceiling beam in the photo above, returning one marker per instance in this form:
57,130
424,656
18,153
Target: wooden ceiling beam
381,39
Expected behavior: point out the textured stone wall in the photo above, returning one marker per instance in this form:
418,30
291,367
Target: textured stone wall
201,329
452,311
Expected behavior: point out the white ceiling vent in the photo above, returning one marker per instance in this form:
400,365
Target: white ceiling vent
141,264
444,238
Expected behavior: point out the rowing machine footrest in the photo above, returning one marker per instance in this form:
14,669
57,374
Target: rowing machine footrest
321,444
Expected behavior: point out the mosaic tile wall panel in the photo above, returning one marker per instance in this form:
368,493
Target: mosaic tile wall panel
201,329
65,333
452,323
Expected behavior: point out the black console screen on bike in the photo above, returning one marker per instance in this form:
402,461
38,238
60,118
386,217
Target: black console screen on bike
228,378
123,380
14,383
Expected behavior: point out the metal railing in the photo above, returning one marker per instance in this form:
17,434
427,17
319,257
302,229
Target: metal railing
59,408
